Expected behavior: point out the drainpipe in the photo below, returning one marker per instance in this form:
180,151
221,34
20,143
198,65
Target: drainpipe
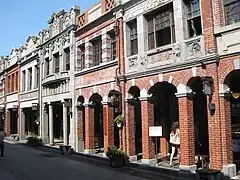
120,70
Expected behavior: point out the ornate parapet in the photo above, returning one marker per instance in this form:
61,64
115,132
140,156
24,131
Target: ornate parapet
59,77
176,53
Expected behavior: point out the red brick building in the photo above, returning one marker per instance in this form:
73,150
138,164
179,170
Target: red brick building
177,62
97,64
12,93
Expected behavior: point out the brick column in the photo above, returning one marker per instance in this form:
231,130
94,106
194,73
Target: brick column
187,138
7,128
89,129
147,113
108,125
88,54
130,134
229,169
80,129
106,48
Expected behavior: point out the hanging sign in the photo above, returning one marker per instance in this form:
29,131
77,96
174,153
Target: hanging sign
155,131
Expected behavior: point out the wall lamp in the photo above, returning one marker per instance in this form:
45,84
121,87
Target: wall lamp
208,89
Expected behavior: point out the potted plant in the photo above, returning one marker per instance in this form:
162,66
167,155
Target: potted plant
116,156
119,120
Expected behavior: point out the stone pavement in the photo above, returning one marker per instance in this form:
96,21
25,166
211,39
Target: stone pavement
25,163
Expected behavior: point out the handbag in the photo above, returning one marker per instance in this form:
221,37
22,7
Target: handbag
174,138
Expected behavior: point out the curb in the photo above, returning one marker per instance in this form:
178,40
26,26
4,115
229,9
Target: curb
130,168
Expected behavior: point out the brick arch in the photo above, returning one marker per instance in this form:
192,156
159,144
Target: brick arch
225,68
129,85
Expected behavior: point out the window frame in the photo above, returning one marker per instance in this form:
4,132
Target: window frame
56,57
97,51
30,71
113,42
47,66
227,3
13,85
191,16
152,17
133,36
67,59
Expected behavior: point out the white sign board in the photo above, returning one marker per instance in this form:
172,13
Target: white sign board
155,131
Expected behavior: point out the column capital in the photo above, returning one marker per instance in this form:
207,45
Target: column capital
145,98
225,94
49,104
184,94
88,104
105,103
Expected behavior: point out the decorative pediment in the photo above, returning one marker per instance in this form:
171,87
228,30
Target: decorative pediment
14,53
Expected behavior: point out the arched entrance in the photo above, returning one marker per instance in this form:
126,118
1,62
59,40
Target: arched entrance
115,100
165,113
96,100
81,122
134,91
200,113
233,82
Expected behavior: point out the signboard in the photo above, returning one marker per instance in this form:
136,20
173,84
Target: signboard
155,131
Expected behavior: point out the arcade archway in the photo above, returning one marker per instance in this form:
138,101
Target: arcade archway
134,91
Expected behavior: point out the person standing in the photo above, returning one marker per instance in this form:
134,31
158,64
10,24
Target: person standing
2,135
174,140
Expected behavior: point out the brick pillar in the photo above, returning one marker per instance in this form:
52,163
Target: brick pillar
106,48
130,134
89,128
226,128
229,169
80,129
148,148
108,125
187,138
214,122
7,127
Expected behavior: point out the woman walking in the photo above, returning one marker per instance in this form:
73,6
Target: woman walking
174,140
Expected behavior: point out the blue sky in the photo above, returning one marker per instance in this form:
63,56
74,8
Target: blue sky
21,18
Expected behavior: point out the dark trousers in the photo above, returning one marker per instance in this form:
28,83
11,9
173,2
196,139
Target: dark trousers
2,149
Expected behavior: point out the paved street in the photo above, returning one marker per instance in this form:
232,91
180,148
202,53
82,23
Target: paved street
25,163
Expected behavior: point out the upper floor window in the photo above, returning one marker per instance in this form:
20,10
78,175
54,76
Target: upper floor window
16,81
161,30
29,78
97,52
67,59
113,46
193,18
232,11
133,37
23,80
37,76
9,83
47,66
12,83
56,62
81,57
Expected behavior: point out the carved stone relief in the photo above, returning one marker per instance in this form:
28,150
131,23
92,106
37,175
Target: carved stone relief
193,48
133,62
55,26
